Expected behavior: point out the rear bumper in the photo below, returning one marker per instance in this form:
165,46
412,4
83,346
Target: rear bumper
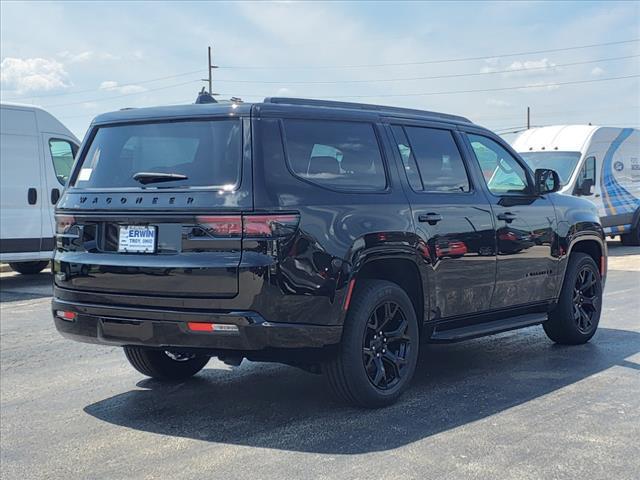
109,325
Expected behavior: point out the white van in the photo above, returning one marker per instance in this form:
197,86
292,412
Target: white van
601,163
36,155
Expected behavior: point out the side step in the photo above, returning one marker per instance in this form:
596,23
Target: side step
487,328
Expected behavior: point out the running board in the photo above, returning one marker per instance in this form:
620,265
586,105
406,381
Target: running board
487,328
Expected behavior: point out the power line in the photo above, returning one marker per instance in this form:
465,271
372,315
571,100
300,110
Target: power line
432,77
452,92
90,90
121,96
429,62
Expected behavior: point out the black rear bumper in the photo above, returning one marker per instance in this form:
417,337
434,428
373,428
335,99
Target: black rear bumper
109,325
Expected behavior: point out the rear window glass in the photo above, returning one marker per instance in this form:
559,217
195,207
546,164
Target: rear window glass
342,155
207,153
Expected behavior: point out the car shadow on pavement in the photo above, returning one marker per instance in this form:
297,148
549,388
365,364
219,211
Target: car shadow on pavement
25,287
272,406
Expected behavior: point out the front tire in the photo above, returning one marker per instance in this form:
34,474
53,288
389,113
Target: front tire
29,268
379,350
164,365
577,314
631,239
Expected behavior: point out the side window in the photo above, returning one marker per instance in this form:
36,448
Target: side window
342,155
588,171
62,154
438,160
500,169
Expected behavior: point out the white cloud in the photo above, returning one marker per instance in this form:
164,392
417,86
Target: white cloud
597,71
540,87
76,57
33,74
535,67
496,102
86,56
114,86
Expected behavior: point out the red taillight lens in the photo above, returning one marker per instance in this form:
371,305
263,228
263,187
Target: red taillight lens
63,223
261,225
270,225
222,225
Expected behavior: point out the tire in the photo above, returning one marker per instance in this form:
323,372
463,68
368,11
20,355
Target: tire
29,268
163,365
575,318
631,239
370,370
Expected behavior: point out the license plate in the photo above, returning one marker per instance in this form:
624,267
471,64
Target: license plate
137,239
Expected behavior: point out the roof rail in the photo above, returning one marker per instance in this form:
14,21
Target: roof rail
363,106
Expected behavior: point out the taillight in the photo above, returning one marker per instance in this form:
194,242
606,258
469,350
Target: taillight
63,223
270,225
259,225
222,225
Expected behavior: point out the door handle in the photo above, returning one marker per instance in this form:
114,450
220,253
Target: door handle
430,218
507,217
32,196
55,196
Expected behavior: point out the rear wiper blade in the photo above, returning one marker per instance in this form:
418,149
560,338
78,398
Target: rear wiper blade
157,177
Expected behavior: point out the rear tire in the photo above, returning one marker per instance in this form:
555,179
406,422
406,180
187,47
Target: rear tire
631,239
29,268
372,370
576,316
163,365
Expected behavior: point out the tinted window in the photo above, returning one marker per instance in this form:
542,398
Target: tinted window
500,169
343,155
208,153
438,160
62,153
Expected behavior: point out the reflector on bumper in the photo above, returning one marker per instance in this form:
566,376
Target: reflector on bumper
212,327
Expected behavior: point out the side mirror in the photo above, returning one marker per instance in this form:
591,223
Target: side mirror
585,188
547,181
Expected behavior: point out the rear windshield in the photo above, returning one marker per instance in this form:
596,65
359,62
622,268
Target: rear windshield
207,153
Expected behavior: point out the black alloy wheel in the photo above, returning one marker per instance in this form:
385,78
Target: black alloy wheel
575,318
386,345
585,300
376,359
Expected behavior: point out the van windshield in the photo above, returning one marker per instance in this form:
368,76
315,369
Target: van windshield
165,154
562,162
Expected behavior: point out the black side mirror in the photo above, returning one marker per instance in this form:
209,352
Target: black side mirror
585,188
547,181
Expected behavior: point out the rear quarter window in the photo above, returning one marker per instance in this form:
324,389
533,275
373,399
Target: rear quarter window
208,153
335,154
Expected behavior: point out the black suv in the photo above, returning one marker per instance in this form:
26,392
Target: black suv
332,236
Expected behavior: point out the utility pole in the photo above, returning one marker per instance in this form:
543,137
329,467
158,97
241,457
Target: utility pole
528,117
210,68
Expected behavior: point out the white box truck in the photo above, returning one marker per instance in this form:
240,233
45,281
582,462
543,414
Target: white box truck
36,155
599,163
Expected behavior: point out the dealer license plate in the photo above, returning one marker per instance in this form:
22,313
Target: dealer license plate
137,239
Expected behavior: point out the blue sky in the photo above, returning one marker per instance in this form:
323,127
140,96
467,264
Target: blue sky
81,59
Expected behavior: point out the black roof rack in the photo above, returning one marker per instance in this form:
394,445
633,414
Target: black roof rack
364,106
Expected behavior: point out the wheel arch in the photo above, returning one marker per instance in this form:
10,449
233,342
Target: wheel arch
401,270
592,245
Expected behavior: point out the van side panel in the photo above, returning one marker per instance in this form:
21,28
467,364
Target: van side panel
620,181
20,172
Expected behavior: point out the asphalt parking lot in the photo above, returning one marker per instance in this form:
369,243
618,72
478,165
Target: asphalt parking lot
509,406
